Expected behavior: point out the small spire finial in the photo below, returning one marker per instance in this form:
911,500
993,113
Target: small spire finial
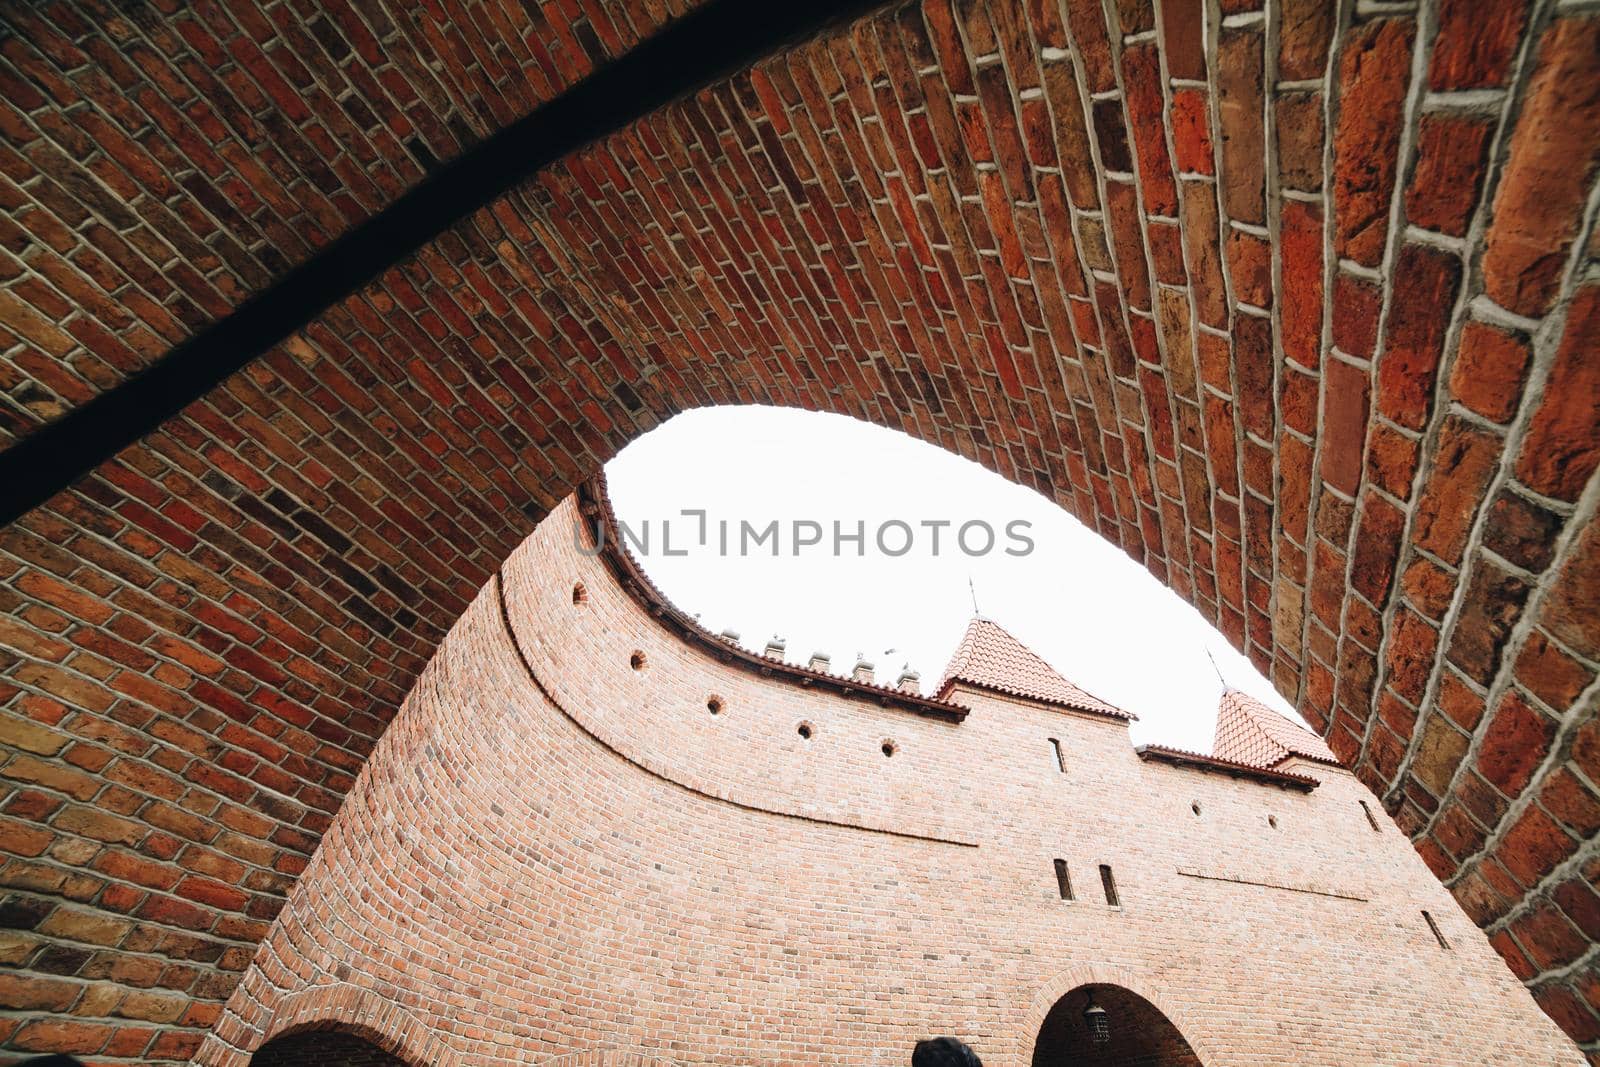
973,589
1214,667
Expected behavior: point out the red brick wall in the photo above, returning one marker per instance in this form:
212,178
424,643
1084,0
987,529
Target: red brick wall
1293,303
551,851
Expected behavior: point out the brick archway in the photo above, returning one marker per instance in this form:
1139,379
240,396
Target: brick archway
1137,1034
341,1008
323,1048
1145,987
1291,304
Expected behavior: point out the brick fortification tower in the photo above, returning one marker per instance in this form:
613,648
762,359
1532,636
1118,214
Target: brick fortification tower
596,834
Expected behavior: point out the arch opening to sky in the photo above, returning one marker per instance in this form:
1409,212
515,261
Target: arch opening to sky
861,542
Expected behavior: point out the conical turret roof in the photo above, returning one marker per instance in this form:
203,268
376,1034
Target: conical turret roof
991,658
1250,732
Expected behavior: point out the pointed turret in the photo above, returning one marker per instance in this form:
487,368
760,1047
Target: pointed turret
990,658
1250,732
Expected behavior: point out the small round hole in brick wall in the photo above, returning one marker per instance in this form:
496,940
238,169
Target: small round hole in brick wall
1272,821
636,661
805,730
714,704
889,748
1195,807
580,595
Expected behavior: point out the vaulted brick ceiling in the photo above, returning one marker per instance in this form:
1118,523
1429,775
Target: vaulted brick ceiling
1298,307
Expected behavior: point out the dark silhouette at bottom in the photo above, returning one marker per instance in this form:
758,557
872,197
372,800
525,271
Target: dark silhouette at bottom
944,1052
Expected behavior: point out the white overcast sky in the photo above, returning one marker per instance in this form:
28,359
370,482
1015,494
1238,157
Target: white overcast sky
1098,618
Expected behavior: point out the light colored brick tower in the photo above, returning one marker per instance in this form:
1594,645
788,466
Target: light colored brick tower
598,834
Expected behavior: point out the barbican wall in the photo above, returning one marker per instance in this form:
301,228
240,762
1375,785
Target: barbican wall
555,853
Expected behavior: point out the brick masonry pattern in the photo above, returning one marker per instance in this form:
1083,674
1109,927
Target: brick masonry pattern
553,852
1298,305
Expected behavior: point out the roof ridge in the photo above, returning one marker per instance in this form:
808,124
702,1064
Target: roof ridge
1184,757
992,657
1250,731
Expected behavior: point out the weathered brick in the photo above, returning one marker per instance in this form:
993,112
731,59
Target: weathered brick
1413,645
1492,606
1239,111
1087,22
1183,38
1549,673
1490,368
1298,397
1568,611
99,825
77,925
27,736
1141,79
1476,41
1517,740
1561,448
1392,459
1303,36
1203,253
1377,549
1374,70
1191,132
1300,239
1580,904
1253,359
1166,253
1439,753
1344,420
1554,150
1520,530
1533,844
1250,267
1419,317
1136,16
1357,306
1131,268
1464,461
1568,1009
21,993
1571,802
1547,937
1451,158
1300,139
1428,586
1482,801
45,1035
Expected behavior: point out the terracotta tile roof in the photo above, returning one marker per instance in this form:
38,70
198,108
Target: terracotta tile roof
1250,732
991,658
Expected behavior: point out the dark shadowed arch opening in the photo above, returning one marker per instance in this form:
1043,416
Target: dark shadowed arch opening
323,1048
1136,1032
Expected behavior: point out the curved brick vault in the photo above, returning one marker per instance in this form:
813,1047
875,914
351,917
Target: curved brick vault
1298,306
